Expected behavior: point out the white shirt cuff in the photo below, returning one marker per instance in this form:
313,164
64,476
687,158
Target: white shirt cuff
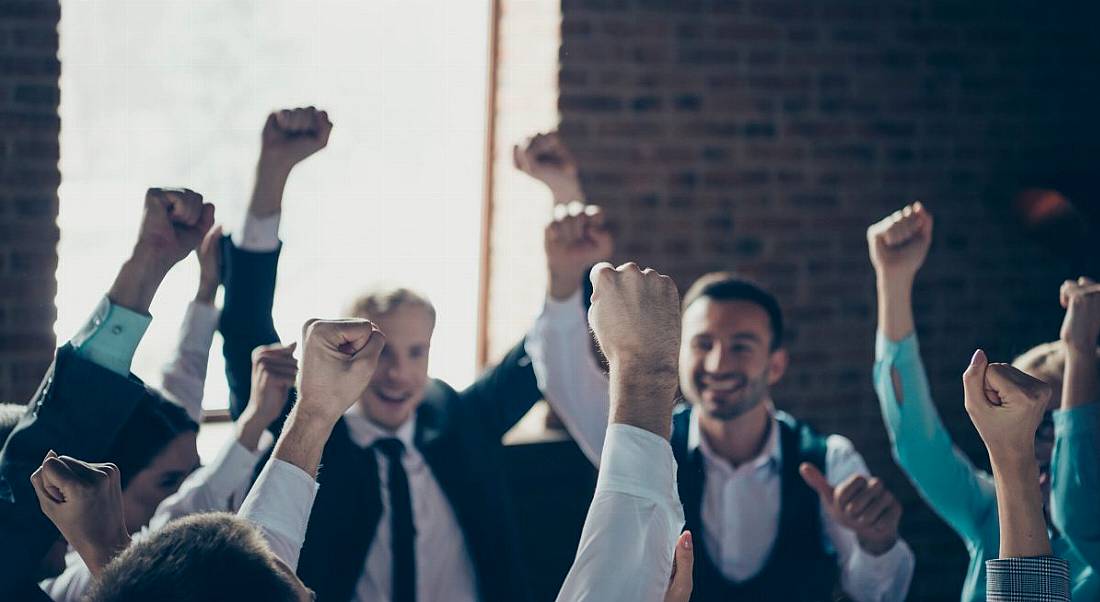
884,571
198,326
258,234
279,504
639,463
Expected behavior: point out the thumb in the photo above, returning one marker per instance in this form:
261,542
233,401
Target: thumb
974,377
680,584
372,349
817,482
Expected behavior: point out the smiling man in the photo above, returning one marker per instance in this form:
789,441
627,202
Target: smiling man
783,513
413,504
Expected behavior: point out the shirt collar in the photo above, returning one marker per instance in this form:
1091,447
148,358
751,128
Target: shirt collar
770,456
365,433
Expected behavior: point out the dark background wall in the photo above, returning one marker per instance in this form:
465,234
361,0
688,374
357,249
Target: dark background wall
765,136
29,176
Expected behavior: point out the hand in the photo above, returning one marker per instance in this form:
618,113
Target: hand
861,504
680,584
636,318
1005,405
84,501
175,222
209,254
899,244
635,315
274,370
291,135
546,158
1081,327
338,359
575,240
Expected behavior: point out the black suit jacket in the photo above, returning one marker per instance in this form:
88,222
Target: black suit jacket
78,411
458,433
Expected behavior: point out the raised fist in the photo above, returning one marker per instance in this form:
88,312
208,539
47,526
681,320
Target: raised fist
575,240
1081,327
546,158
862,504
84,501
209,253
274,371
175,222
635,315
291,135
338,359
899,243
1005,404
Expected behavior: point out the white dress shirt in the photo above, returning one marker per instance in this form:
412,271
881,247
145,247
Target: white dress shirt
740,507
279,503
184,376
629,537
444,568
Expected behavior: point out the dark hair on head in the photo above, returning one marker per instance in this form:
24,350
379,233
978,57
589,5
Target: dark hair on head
725,286
153,425
212,557
10,414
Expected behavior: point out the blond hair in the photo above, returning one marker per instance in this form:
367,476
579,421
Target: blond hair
379,301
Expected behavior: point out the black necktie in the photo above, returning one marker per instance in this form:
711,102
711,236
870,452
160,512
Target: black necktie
402,531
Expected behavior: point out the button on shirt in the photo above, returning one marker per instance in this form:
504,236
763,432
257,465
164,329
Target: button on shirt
444,568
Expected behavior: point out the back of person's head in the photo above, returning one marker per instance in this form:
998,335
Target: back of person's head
381,300
153,425
10,414
1047,362
208,557
725,286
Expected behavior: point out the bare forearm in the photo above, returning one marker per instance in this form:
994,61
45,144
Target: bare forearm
303,439
1082,383
895,307
643,396
137,282
567,192
250,428
98,555
267,194
1020,504
561,285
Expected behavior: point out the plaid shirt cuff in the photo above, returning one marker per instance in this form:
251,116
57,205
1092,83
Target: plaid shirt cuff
1039,579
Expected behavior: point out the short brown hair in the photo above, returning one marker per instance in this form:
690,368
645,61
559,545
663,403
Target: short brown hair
381,300
1046,361
214,556
726,286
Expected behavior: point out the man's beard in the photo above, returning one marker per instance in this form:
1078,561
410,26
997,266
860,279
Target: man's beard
753,394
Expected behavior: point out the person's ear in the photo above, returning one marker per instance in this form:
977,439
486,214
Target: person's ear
777,365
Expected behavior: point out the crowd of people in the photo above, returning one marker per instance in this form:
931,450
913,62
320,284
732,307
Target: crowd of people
353,475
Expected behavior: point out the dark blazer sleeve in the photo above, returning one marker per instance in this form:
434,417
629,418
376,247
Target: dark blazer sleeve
249,280
506,392
78,411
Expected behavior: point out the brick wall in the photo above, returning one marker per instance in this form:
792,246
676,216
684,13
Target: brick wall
765,136
29,177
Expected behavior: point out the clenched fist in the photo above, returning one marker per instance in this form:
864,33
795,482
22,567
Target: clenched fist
899,244
635,315
175,222
862,504
1005,404
84,501
291,135
1081,326
546,158
274,370
575,240
338,359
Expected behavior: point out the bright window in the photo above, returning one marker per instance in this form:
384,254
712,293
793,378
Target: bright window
174,92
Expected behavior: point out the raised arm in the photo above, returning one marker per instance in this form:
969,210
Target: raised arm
1006,407
633,525
251,254
1075,465
183,378
560,343
338,359
947,480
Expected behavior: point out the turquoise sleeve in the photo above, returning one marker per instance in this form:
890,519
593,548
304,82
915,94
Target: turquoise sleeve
110,336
